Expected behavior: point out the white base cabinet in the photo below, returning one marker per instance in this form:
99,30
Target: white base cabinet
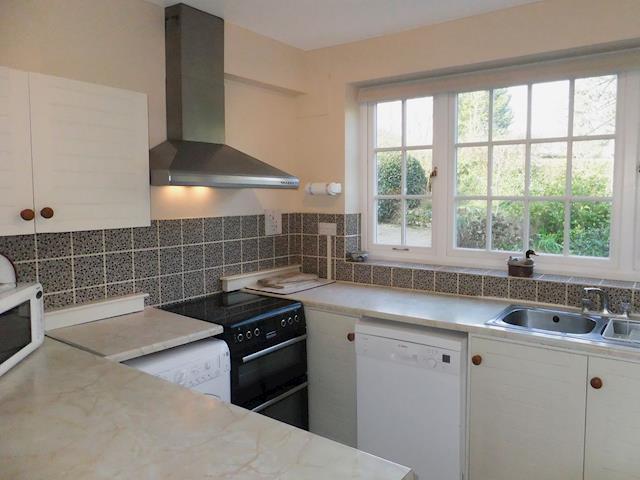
540,413
612,450
332,375
526,412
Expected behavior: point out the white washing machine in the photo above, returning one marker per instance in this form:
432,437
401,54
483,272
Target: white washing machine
411,387
202,366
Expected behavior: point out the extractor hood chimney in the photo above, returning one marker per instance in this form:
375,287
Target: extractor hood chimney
195,153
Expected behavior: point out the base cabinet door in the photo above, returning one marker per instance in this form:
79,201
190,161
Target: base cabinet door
612,450
526,412
332,375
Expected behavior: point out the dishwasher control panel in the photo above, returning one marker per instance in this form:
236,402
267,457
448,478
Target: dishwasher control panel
408,353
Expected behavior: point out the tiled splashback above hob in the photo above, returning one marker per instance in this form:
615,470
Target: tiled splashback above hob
172,259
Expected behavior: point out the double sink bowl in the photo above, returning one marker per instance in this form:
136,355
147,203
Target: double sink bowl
574,325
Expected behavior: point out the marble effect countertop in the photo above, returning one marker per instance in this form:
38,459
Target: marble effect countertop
136,334
68,414
451,312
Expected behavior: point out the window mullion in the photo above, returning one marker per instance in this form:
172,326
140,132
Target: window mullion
526,226
403,186
489,228
568,187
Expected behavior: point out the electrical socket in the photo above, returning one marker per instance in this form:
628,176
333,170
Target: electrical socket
327,229
272,222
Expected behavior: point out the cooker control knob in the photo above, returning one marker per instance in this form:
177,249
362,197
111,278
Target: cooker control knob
256,332
240,337
248,335
297,319
290,321
283,322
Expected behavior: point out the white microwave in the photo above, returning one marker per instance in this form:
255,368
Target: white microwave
21,322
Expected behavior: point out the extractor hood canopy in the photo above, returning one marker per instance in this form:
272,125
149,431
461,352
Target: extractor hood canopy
195,153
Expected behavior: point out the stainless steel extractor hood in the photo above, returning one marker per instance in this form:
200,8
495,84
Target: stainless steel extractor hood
195,153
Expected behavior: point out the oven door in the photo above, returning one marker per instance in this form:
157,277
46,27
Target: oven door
257,376
289,407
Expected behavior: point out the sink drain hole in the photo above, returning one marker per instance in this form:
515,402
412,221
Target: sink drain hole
556,319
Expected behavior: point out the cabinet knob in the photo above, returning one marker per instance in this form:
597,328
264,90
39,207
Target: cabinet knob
351,336
27,214
46,212
476,359
596,382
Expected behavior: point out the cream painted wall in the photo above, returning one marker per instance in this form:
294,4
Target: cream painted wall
120,43
527,31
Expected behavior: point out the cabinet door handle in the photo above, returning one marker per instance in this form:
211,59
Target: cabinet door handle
351,336
596,383
27,214
46,212
476,359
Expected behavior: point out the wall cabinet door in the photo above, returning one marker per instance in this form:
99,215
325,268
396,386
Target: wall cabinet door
16,191
526,412
612,448
90,155
332,376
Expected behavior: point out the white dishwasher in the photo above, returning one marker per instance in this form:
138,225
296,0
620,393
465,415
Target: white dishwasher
411,396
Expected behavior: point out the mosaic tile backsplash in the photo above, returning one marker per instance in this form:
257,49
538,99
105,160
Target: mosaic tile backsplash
171,260
174,260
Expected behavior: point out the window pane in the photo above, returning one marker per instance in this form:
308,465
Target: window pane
471,224
420,121
506,225
595,106
508,170
550,109
548,169
592,168
419,223
510,113
389,124
546,227
418,171
590,229
471,171
473,117
389,225
389,172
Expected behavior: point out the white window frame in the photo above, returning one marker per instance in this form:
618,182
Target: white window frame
624,260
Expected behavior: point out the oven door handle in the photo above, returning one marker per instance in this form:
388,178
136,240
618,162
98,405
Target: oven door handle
280,397
274,348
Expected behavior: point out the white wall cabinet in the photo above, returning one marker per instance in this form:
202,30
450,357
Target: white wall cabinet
613,421
332,375
85,157
16,182
526,412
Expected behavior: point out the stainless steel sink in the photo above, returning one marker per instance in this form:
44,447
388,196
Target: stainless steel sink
554,322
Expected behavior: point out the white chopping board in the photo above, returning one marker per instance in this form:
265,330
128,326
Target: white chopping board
293,288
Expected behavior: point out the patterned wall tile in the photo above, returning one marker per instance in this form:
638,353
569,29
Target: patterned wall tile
55,275
170,260
150,286
213,254
192,231
146,237
119,267
193,257
170,233
87,243
362,273
495,286
89,271
118,239
250,250
213,229
193,284
249,226
423,280
19,247
469,284
522,289
232,227
90,294
402,277
171,288
146,264
381,275
26,272
446,282
552,292
120,289
232,251
281,246
310,245
53,245
310,223
266,247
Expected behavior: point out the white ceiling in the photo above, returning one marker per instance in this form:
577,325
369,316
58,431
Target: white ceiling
310,24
